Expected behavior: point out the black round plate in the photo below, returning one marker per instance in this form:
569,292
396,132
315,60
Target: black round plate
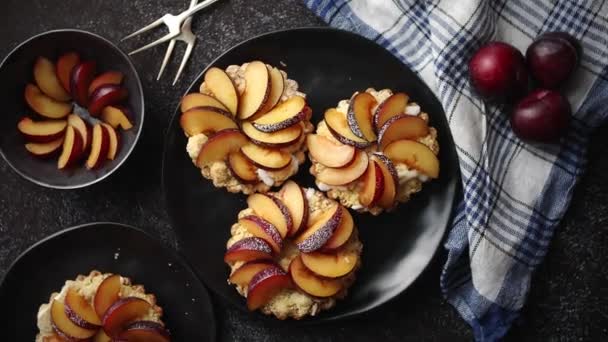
113,248
329,66
17,70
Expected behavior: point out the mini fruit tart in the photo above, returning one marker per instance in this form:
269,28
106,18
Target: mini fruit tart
101,308
293,253
246,127
373,151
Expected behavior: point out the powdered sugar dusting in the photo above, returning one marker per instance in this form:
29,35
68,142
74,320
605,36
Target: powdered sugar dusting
252,243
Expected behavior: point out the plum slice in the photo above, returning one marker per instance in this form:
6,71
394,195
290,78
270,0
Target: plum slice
317,235
265,285
310,283
248,249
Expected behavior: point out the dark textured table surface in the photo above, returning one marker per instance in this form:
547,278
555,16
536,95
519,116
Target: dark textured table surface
569,295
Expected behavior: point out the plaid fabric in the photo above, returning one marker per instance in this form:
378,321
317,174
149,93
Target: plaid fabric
515,193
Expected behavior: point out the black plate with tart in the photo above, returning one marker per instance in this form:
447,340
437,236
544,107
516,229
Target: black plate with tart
168,286
329,65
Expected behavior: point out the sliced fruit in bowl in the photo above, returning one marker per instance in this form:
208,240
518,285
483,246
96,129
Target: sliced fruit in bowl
62,78
70,73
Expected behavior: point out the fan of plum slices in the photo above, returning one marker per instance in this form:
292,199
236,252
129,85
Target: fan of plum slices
101,308
293,253
246,127
65,134
373,151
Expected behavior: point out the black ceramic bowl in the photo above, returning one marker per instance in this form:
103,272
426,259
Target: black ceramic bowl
16,71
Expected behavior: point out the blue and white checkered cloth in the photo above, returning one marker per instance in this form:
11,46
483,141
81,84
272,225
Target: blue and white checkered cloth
515,193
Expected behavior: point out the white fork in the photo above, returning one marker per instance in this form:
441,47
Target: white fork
173,23
186,36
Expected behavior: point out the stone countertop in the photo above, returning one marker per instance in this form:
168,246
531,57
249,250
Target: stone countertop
569,295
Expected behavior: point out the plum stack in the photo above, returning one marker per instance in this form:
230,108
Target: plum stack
373,151
293,253
246,127
64,133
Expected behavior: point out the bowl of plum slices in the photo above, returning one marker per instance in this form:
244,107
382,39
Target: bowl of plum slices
73,108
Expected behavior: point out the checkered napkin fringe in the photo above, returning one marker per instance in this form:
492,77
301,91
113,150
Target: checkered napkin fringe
515,194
